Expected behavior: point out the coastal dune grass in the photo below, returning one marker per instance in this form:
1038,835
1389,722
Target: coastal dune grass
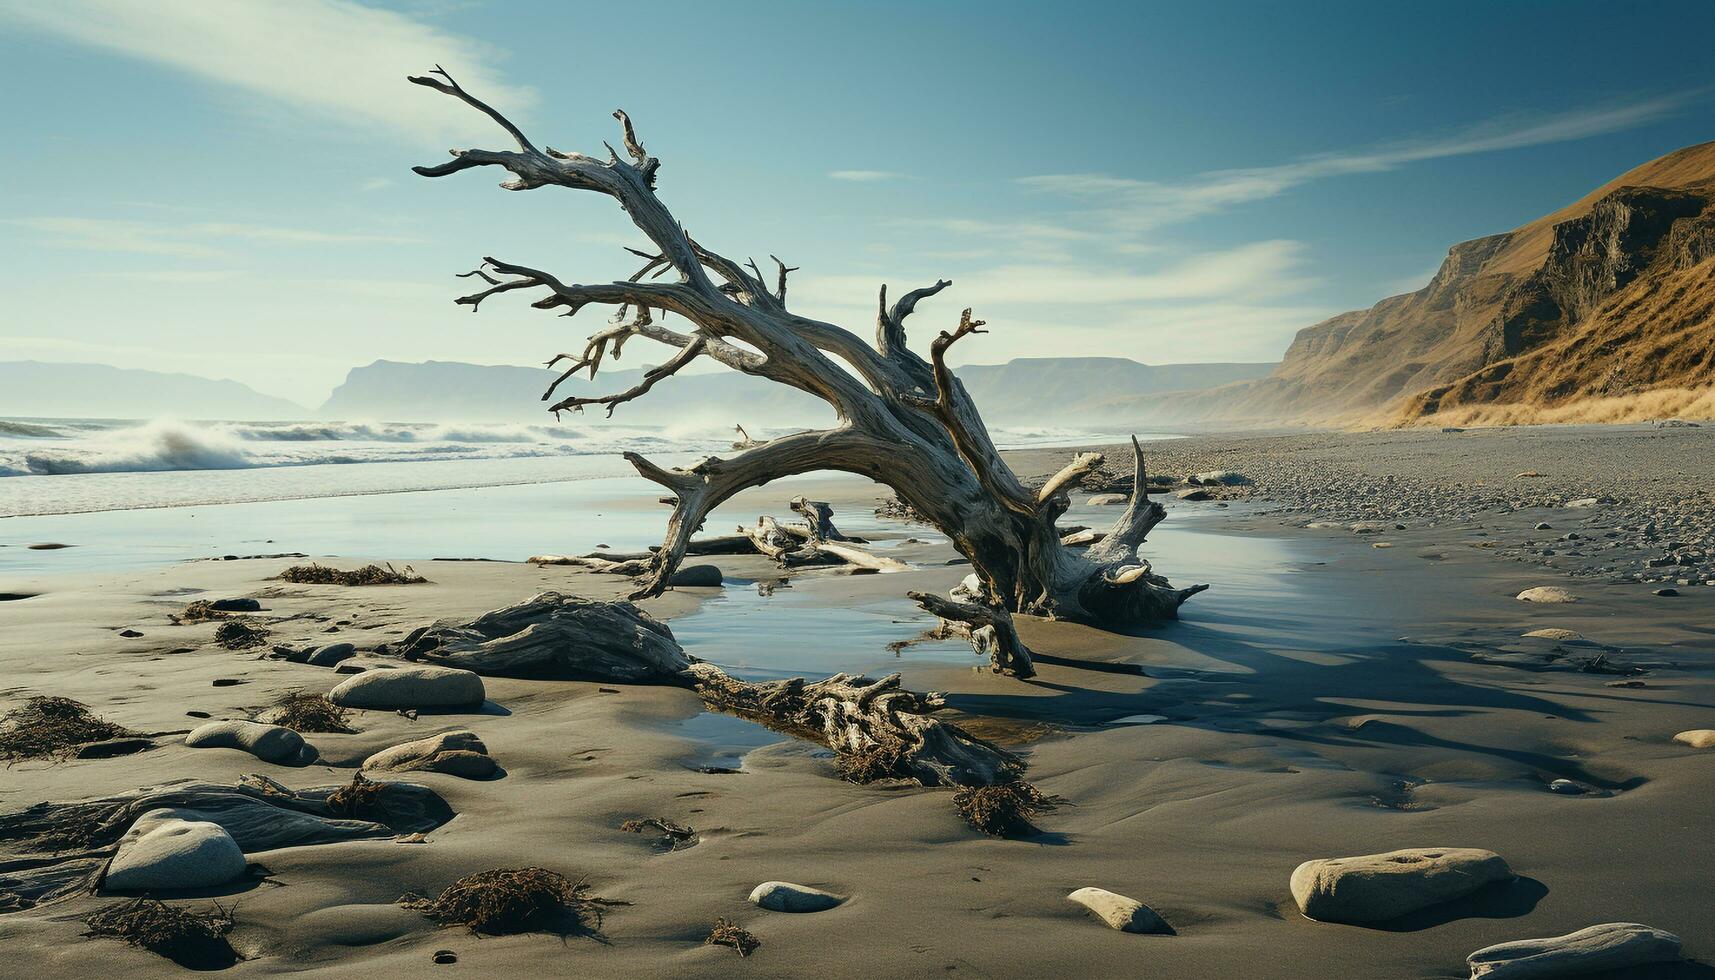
49,727
513,900
314,574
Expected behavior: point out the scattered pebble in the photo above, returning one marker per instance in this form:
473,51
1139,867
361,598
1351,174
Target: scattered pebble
1546,593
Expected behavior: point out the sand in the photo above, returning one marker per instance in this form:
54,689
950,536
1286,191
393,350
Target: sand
1325,698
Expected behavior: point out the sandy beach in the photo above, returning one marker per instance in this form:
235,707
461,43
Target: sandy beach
1338,691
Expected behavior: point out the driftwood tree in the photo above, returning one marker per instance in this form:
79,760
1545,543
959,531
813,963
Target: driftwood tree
903,421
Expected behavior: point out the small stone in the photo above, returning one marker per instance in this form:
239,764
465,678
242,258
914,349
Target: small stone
1629,683
1555,633
1120,912
783,896
1697,738
1543,526
455,753
410,687
164,852
130,634
1668,592
1546,593
1568,787
1583,503
1379,887
1607,947
1194,493
444,956
696,577
270,743
1108,499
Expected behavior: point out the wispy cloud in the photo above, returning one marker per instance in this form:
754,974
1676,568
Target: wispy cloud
199,238
869,176
339,59
1147,203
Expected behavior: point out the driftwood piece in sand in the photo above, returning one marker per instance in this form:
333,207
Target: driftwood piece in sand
989,629
1076,539
596,563
819,515
905,420
771,539
555,635
55,850
880,729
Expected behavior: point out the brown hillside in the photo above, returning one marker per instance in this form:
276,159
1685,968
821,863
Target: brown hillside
1610,297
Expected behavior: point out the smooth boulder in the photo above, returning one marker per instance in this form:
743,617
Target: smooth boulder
164,852
696,577
783,896
1120,912
410,687
1546,593
455,753
1108,500
270,743
1219,478
1697,738
1379,887
1609,946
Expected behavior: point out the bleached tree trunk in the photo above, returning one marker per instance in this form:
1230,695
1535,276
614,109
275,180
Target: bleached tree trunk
903,421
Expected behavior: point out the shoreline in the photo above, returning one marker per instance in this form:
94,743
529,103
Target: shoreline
1322,699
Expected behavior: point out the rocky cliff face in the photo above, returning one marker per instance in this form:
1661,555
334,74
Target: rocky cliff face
1609,297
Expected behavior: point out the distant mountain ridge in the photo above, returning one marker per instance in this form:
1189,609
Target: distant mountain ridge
41,389
1601,311
1054,389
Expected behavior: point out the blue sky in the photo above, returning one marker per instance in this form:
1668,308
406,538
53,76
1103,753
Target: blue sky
224,188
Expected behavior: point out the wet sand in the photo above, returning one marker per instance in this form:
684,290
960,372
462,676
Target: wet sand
1325,698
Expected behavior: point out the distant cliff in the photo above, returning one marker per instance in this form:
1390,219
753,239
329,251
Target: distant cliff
39,389
1063,390
1601,311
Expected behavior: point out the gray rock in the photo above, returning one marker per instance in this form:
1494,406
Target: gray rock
1610,946
235,605
1378,887
1546,593
1108,500
163,852
1120,912
1668,592
783,896
270,743
1193,493
455,753
331,655
1219,478
697,577
1697,738
410,687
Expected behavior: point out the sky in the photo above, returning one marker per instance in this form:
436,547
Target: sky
224,188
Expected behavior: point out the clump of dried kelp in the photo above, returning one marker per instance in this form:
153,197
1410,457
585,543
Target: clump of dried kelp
314,574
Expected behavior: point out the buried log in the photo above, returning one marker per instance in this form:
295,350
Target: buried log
989,628
904,420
